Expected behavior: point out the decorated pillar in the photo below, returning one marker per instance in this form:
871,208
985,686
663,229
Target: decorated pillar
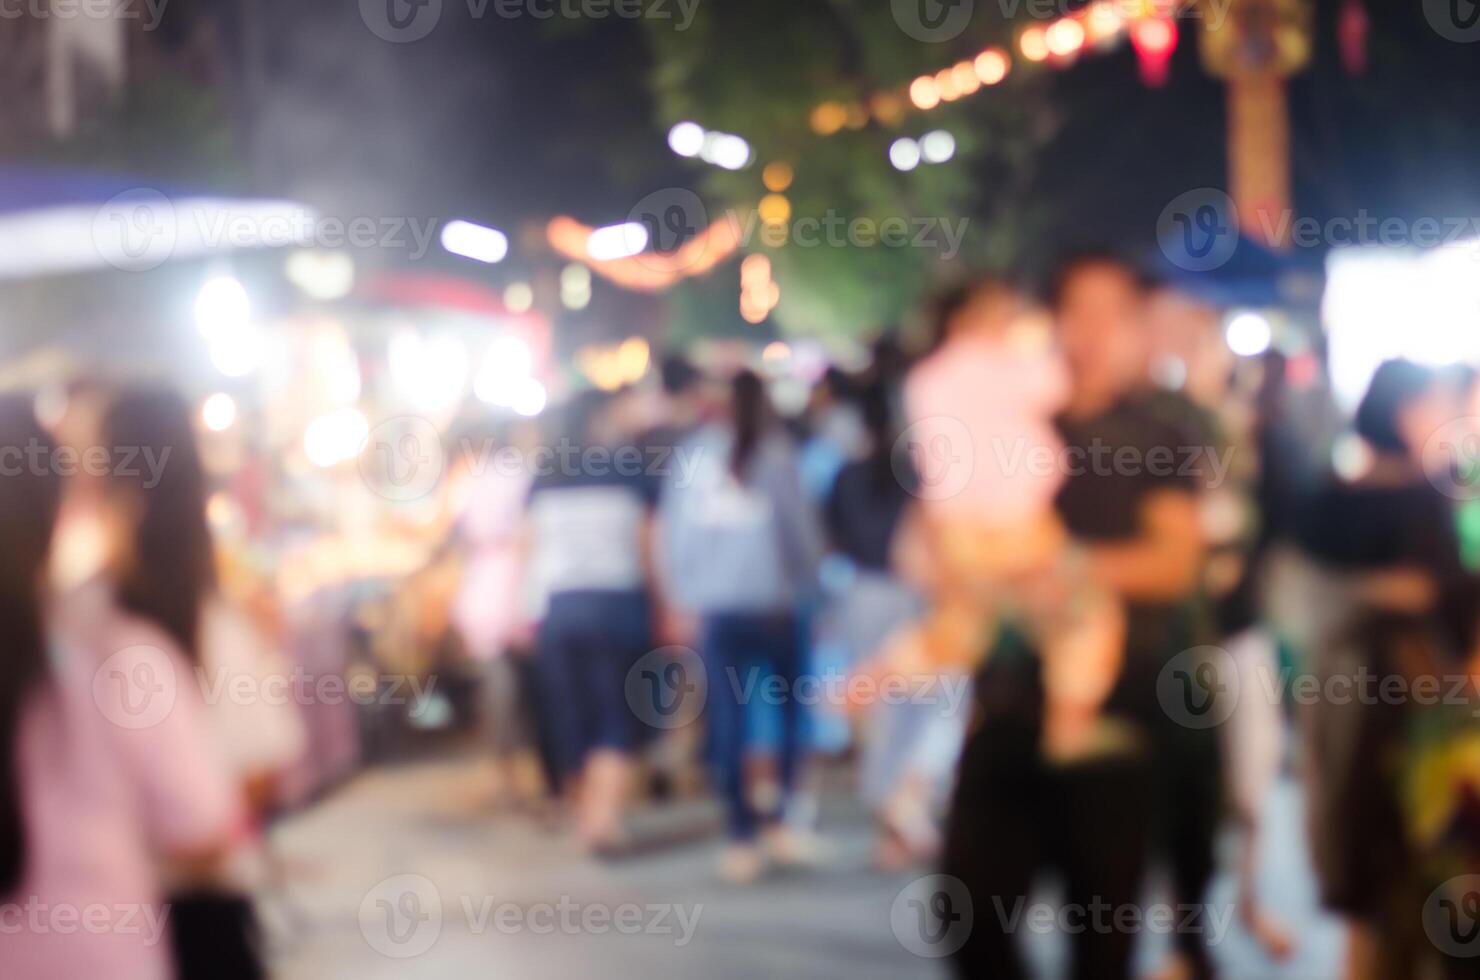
1255,46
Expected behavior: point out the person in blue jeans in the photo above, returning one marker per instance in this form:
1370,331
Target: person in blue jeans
589,527
741,546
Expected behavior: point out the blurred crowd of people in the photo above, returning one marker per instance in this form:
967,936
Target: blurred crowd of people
1044,576
1056,572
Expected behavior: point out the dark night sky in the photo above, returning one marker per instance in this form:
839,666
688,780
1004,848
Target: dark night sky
509,120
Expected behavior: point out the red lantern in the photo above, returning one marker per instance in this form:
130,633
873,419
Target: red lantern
1351,30
1155,38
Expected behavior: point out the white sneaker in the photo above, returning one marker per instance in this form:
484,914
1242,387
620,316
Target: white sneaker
791,847
741,864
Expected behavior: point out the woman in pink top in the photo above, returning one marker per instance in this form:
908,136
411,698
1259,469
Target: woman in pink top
104,765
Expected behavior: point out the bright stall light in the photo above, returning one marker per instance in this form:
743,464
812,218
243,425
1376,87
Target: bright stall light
1382,303
529,398
237,352
937,146
430,372
333,363
321,274
728,151
904,153
506,364
617,241
518,297
575,286
686,139
222,306
218,412
335,437
1248,334
477,242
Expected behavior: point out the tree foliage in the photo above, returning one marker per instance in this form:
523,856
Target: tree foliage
759,69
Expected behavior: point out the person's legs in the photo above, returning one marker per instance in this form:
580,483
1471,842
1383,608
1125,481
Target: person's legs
994,831
1194,809
557,675
1102,815
781,648
613,638
721,640
536,715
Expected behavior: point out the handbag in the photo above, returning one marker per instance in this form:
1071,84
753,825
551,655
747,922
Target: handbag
216,936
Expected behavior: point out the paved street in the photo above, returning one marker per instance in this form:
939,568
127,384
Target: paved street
519,902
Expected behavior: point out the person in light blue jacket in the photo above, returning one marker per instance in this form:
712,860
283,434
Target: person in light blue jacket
742,545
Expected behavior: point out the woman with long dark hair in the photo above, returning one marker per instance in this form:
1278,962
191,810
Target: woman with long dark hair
104,757
161,569
742,548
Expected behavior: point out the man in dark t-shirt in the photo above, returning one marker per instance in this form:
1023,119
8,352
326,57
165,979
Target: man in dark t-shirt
1129,501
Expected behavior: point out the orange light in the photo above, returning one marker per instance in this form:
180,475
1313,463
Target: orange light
828,118
777,176
924,92
857,116
888,109
775,209
755,270
1033,44
1064,38
964,75
948,89
991,66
